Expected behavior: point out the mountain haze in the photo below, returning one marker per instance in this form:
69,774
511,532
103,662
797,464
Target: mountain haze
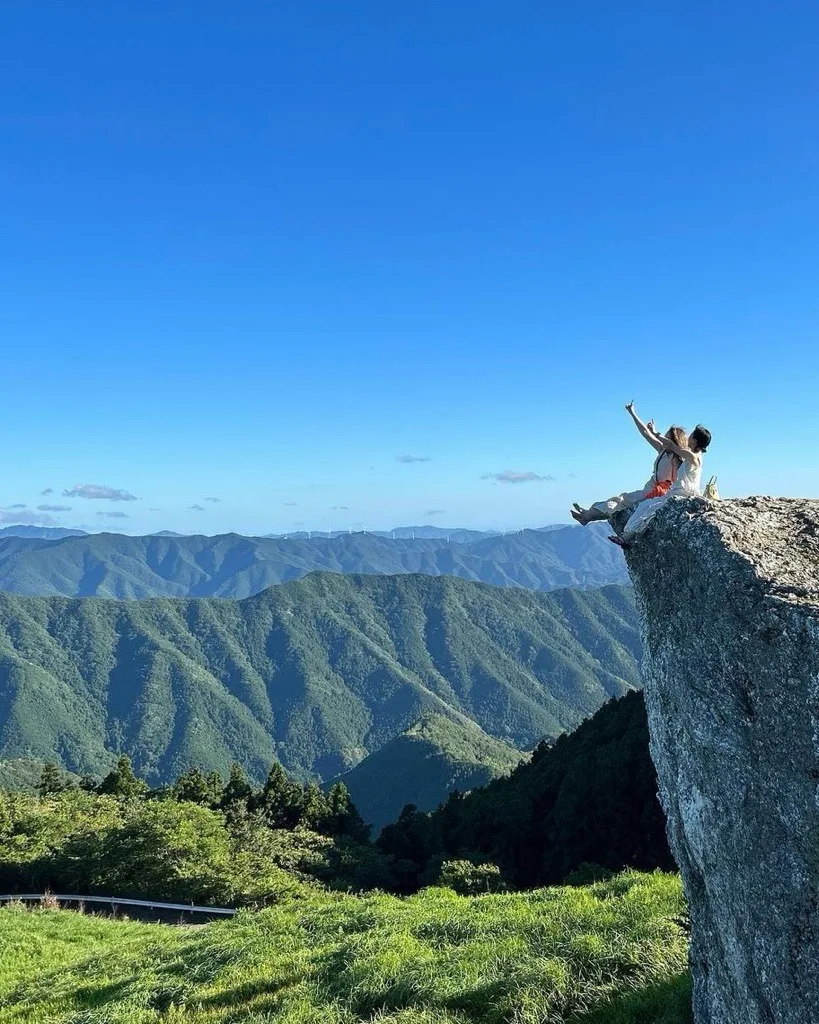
115,565
317,673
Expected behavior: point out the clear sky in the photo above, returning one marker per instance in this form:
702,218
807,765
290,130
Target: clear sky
344,264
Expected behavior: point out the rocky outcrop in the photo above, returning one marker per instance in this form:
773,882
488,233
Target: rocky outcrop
729,596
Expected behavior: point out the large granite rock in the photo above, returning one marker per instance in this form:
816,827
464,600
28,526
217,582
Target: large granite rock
729,596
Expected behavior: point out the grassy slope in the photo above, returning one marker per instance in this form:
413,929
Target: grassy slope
423,765
318,672
114,565
607,954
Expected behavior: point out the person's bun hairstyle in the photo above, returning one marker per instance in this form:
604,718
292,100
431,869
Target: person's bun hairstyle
702,436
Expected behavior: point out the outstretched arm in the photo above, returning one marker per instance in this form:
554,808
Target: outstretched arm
684,453
656,442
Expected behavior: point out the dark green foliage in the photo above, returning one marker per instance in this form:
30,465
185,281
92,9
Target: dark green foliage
424,765
316,673
113,565
122,782
343,817
52,780
237,789
195,787
589,799
281,800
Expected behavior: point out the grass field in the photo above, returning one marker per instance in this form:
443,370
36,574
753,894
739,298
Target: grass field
611,953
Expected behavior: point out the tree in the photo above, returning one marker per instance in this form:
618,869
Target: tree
314,808
192,787
51,781
122,782
280,801
88,784
237,789
343,818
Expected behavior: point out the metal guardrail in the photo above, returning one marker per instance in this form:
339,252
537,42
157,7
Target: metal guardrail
117,901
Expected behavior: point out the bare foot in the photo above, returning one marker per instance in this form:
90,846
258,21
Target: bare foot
578,507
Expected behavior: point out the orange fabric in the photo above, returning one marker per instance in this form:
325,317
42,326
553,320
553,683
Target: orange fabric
660,490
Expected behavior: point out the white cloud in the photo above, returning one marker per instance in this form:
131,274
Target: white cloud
413,458
114,515
215,500
516,476
195,508
54,508
98,492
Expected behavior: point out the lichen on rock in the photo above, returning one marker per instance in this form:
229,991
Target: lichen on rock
729,599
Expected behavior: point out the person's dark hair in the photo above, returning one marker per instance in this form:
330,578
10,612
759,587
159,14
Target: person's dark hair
701,437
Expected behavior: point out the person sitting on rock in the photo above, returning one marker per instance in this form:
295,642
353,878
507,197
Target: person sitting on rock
666,467
688,484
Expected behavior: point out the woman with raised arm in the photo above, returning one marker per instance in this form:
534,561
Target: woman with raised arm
687,485
666,467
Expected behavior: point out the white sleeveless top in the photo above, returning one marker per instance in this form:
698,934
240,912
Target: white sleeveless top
689,478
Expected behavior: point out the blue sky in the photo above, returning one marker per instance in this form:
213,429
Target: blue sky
259,252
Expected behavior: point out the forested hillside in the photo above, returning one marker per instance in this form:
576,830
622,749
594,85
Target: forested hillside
316,673
424,764
589,799
114,565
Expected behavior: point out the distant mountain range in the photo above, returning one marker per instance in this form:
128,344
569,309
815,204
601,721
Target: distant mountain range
422,766
40,532
317,673
232,566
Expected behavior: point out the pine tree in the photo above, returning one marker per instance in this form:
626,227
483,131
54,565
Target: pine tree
280,801
315,810
192,787
121,781
216,788
237,789
51,780
343,818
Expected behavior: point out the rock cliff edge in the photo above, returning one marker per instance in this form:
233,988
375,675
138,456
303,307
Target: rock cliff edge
729,598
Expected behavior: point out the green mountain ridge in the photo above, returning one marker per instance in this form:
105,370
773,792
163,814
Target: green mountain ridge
316,673
591,798
423,764
232,566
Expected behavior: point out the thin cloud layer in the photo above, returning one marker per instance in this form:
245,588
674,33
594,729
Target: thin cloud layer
54,508
215,500
25,517
46,492
98,492
413,458
290,504
195,508
339,508
114,515
18,505
436,512
517,476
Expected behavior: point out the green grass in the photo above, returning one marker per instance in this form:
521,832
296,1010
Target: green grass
611,953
